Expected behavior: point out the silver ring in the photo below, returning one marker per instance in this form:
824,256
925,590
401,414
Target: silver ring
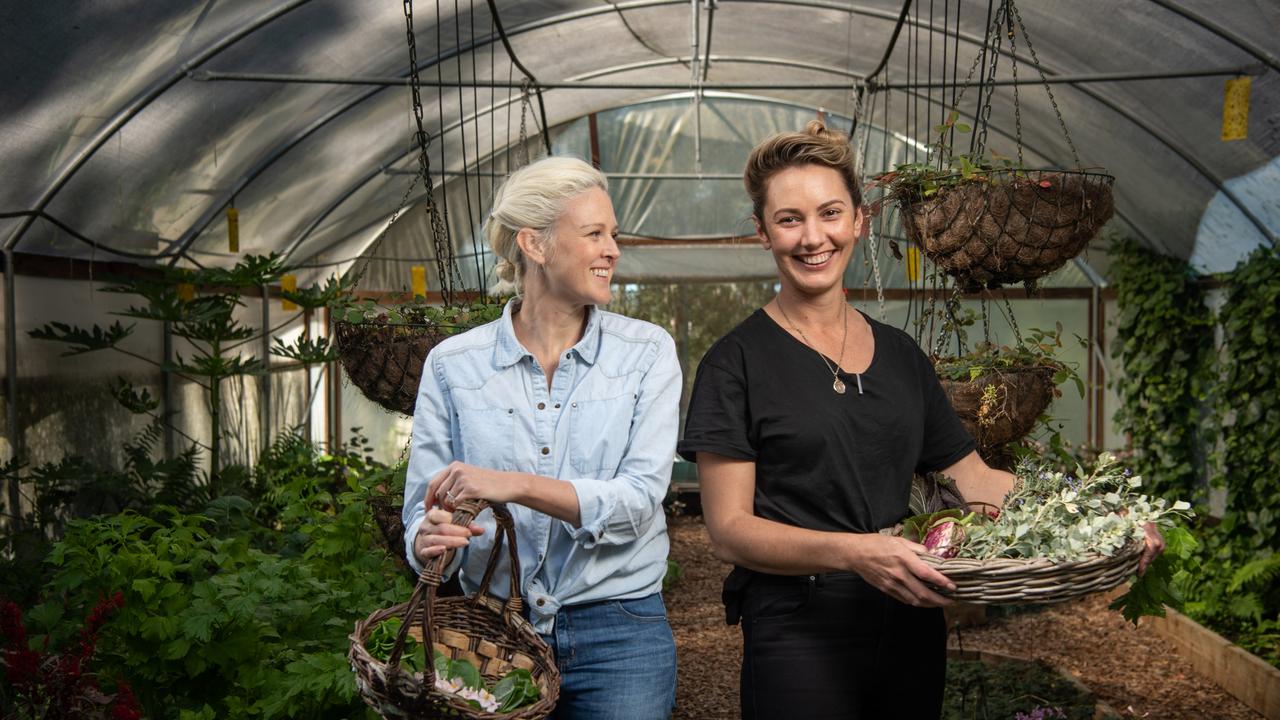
449,496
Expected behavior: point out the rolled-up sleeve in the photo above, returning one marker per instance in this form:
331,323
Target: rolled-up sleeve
430,451
618,510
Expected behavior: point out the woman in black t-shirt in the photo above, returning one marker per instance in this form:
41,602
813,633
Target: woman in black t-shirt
807,422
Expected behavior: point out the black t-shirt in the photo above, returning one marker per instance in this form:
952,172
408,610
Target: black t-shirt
824,461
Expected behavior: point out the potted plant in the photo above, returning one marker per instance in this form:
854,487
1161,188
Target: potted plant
1000,391
383,348
988,220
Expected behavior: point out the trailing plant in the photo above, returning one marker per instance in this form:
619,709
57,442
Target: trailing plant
944,168
1163,336
1248,404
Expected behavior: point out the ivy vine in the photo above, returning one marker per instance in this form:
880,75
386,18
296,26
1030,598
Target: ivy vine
1164,333
1248,399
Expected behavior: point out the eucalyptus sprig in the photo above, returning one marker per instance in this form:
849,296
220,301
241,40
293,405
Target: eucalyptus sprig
1061,516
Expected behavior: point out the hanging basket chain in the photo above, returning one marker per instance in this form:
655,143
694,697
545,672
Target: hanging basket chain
525,106
1049,90
860,145
1017,107
446,267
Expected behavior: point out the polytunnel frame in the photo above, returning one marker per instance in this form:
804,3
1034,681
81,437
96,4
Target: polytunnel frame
1184,154
184,242
123,116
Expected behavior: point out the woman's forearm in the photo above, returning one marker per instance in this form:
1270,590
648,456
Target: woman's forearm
773,547
549,496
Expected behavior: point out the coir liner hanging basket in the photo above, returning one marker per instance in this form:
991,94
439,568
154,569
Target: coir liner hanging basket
1021,395
385,360
1007,226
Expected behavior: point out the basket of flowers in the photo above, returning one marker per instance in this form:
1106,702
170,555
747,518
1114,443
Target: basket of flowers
466,658
383,349
1058,536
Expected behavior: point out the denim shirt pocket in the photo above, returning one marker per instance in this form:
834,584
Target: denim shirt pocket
598,434
484,436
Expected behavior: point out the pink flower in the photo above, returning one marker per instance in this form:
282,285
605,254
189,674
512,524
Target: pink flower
1046,184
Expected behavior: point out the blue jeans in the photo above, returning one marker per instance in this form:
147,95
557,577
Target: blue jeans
617,660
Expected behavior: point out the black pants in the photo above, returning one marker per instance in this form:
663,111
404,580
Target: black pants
832,646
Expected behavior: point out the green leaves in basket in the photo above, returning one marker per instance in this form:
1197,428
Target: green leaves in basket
458,670
1152,591
383,638
516,689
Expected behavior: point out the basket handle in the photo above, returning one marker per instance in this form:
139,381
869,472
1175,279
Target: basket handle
424,593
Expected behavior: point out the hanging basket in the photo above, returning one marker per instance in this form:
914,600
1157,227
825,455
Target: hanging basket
489,633
1010,411
385,360
1009,226
1007,581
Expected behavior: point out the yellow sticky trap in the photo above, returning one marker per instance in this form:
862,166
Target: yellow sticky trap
186,292
1235,108
233,230
288,283
913,264
419,274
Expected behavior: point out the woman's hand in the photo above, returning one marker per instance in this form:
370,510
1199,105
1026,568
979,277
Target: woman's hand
891,564
437,534
1154,546
459,481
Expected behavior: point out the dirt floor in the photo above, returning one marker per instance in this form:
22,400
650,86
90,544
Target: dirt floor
1130,669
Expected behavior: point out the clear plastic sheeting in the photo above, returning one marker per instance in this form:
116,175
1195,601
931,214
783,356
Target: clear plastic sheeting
105,129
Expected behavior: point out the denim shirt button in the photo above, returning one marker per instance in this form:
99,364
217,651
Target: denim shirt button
542,406
573,405
546,451
557,406
541,602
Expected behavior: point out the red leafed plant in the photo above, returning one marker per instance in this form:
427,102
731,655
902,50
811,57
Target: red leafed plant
47,684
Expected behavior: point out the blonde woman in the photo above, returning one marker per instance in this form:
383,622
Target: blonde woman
569,414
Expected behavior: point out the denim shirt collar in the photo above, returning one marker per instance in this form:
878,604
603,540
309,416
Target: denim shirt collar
508,351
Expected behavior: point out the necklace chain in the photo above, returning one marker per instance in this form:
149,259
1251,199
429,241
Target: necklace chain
837,384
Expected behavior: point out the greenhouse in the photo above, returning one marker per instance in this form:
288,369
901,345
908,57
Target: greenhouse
270,306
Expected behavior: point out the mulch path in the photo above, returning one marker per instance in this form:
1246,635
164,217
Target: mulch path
1131,669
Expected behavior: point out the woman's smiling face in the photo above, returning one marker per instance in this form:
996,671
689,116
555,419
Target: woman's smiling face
581,265
811,225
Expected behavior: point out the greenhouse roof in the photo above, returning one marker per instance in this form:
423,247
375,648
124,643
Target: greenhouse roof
130,127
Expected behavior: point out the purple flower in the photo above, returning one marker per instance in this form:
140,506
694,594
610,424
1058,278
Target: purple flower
1042,713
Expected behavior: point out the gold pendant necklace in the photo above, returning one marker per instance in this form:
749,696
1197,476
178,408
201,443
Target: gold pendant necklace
836,383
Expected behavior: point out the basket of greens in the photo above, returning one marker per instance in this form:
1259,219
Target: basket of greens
477,658
1058,536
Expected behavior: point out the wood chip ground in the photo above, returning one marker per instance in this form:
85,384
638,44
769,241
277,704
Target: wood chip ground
1131,669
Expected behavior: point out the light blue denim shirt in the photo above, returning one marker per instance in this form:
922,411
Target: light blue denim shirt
607,425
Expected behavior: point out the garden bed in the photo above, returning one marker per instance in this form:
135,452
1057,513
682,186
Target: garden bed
1133,670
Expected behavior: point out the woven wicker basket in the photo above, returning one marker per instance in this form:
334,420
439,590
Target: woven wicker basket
385,361
1012,227
491,634
1010,581
1021,395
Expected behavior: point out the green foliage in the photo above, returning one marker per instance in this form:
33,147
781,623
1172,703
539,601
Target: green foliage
80,339
1149,593
450,320
1248,404
672,576
1171,378
1052,515
226,616
1162,336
